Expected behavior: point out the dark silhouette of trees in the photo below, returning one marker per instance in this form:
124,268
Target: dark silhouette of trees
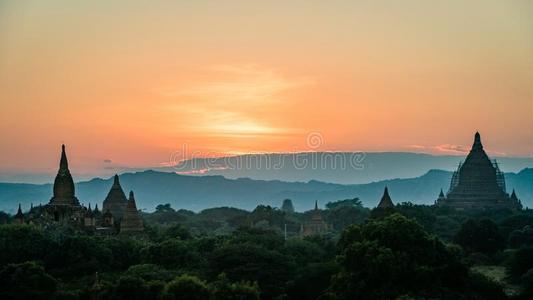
480,236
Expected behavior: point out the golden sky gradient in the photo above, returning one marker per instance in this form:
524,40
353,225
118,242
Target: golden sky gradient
134,81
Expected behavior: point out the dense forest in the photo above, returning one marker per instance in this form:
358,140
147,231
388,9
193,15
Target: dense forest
406,252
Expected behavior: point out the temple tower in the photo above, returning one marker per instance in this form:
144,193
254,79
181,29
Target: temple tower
386,201
116,200
316,225
63,184
478,184
131,221
19,217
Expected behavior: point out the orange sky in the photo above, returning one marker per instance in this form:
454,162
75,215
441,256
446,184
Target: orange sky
134,81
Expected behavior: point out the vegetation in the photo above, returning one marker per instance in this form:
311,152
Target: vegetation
411,252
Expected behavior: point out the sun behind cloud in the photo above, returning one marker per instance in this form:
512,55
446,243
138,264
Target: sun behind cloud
233,102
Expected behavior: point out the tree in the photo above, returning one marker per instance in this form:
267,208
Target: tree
303,252
20,243
27,280
395,256
344,215
480,236
355,202
223,289
176,231
149,272
129,287
164,208
521,262
523,237
253,263
311,281
187,287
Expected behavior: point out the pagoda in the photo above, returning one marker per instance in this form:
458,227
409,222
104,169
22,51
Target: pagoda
316,226
116,200
478,184
131,221
63,184
386,201
385,206
64,206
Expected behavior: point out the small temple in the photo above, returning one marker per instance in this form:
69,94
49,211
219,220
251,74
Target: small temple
316,225
386,201
65,208
478,184
131,221
116,200
385,206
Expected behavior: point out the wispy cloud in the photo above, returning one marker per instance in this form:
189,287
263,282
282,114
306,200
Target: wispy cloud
233,102
450,149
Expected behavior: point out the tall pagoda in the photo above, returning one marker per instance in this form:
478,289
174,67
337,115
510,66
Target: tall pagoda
478,184
64,206
64,184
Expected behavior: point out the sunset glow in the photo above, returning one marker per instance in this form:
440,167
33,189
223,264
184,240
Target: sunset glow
128,83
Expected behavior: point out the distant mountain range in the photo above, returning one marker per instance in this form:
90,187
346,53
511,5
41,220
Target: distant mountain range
334,167
200,192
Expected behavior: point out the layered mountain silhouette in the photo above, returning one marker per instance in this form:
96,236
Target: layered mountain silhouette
335,167
201,192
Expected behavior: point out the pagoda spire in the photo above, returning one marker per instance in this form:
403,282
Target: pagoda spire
116,182
386,201
19,217
63,163
132,200
477,142
441,195
316,204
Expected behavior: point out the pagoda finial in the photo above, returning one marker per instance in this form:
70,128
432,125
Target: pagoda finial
115,180
316,204
63,163
19,214
477,142
131,201
441,195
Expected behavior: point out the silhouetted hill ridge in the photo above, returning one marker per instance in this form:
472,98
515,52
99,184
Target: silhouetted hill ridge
201,192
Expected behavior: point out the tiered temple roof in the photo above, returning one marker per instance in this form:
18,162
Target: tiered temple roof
386,201
478,183
63,184
116,200
131,221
